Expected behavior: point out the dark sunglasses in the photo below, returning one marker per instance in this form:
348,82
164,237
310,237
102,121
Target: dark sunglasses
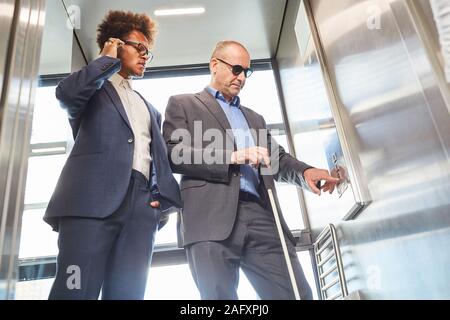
237,69
141,48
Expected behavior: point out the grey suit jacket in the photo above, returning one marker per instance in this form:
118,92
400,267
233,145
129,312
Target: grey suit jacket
210,192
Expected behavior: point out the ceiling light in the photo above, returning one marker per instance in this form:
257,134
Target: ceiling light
173,12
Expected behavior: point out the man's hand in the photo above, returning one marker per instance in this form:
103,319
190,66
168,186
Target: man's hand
155,204
313,176
111,46
253,156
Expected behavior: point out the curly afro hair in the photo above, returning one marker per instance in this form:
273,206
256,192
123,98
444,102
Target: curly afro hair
118,24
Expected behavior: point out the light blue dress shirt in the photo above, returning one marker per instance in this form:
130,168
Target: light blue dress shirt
243,138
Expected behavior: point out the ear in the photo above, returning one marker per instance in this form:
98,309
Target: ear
213,66
119,52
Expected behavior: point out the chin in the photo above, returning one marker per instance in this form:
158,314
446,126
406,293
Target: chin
138,74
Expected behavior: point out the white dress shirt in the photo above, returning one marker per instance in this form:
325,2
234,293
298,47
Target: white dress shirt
139,118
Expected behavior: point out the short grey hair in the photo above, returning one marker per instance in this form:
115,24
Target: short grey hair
222,45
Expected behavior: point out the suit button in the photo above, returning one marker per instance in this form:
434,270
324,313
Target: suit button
130,140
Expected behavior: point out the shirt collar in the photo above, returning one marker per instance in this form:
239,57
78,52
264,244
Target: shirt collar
235,102
118,80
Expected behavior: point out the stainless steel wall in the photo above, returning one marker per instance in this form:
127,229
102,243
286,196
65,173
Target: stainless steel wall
16,109
59,29
7,8
387,88
6,20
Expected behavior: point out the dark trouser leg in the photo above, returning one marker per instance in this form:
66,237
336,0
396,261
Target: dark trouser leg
215,268
99,247
129,262
84,247
263,260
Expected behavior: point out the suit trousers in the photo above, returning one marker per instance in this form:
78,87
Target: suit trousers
111,254
254,246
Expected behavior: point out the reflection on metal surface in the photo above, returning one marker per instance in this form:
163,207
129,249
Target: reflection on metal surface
16,111
57,32
441,11
6,20
393,111
6,16
302,31
425,27
317,125
346,147
389,92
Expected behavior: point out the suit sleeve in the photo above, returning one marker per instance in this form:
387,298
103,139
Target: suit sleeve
75,91
183,154
287,168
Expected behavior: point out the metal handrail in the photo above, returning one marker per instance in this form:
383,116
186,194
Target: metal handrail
328,272
325,245
326,259
326,238
331,284
334,297
337,249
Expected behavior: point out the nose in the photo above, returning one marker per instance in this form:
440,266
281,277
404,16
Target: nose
148,57
144,59
241,77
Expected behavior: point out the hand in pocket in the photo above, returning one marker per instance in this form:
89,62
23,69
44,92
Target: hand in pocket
155,204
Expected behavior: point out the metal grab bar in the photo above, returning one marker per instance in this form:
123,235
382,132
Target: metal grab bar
328,240
328,272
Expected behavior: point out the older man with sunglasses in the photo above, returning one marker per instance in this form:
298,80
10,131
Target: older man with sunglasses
117,183
226,222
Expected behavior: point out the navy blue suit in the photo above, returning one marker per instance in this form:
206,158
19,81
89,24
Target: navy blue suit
98,189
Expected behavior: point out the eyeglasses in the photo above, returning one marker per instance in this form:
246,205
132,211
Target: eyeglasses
237,69
141,48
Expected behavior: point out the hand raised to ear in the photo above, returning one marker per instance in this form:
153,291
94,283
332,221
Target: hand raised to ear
110,47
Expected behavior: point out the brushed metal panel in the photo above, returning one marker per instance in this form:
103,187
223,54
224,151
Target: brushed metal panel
17,111
313,124
6,17
57,40
386,85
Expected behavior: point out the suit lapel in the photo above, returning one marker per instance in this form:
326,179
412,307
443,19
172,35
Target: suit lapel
116,102
216,110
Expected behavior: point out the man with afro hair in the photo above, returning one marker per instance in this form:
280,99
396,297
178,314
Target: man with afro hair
117,185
